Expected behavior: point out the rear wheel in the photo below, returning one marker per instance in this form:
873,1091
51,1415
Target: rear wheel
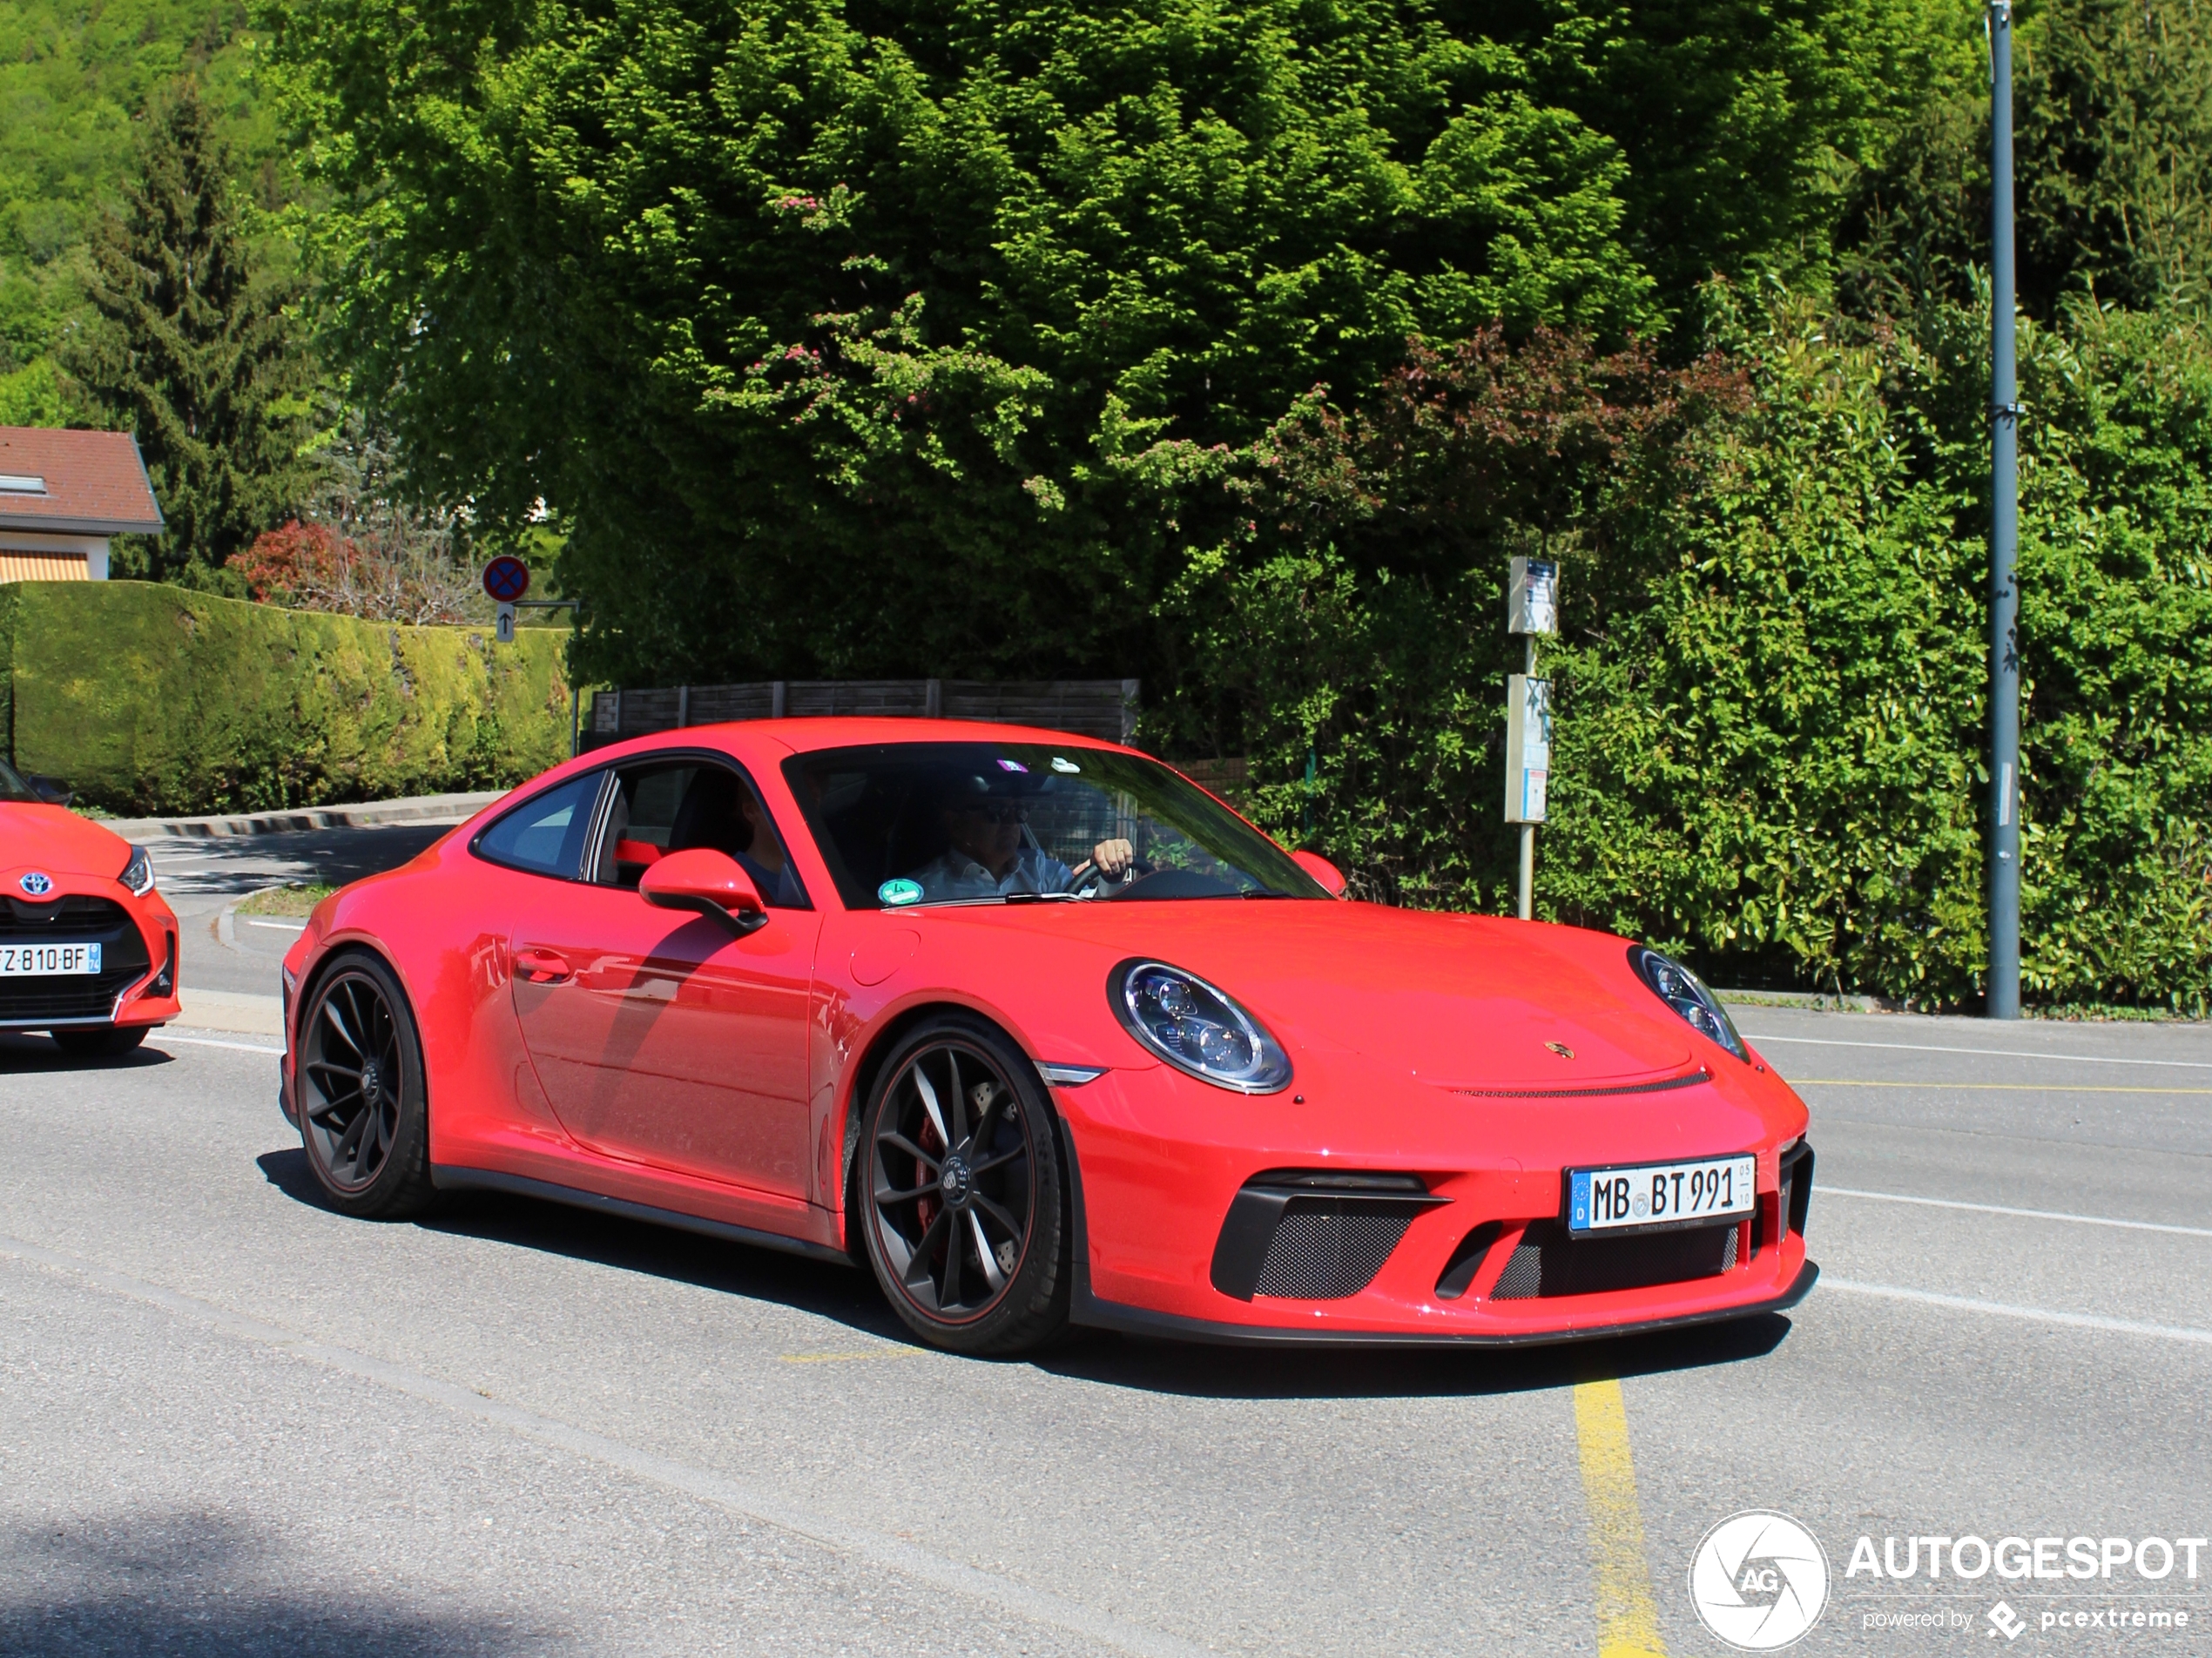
363,1114
111,1043
960,1191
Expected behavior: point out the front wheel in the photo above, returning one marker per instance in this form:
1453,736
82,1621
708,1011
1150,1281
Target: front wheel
960,1193
363,1113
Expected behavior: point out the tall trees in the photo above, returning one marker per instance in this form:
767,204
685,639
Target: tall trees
195,352
907,337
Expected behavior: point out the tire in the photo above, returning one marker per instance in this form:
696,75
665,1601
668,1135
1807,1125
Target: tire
364,1110
112,1044
960,1197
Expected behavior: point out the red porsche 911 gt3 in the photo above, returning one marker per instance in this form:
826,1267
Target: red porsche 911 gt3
1042,1032
88,948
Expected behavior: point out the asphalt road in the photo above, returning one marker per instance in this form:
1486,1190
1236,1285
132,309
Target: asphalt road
203,878
232,1421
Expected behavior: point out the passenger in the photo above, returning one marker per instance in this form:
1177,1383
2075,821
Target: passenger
763,858
992,856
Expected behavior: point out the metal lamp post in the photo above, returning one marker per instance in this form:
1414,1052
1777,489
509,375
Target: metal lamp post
2004,544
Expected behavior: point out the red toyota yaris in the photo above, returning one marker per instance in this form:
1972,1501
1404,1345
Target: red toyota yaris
88,949
1042,1032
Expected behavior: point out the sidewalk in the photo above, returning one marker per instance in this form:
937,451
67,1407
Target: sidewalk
421,808
237,1012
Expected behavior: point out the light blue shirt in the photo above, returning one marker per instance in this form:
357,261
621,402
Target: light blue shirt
957,875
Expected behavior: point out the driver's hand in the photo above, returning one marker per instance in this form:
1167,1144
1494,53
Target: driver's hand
1113,857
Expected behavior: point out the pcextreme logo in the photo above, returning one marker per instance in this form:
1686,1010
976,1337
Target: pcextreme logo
1759,1581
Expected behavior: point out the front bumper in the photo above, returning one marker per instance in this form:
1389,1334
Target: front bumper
138,938
1459,1216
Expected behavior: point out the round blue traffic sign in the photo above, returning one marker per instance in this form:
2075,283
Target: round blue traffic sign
507,579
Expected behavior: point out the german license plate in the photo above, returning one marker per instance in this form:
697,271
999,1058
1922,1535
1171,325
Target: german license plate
37,960
1659,1194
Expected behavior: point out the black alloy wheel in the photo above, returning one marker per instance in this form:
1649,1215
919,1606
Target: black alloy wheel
362,1108
961,1191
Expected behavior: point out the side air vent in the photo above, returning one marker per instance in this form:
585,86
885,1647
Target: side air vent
1313,1234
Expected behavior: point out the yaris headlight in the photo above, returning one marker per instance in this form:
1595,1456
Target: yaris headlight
1197,1028
1685,993
137,874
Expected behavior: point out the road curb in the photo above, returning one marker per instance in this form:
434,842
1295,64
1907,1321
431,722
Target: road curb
424,808
1814,1000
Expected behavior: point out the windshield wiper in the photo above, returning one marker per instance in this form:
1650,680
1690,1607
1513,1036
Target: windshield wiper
1265,892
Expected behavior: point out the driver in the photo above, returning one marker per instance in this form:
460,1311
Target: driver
990,854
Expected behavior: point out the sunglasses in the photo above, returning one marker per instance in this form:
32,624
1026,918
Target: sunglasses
995,812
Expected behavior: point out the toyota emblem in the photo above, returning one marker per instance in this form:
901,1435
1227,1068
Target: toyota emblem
35,884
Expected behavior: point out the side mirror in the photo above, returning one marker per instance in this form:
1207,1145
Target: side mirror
52,790
709,883
1322,870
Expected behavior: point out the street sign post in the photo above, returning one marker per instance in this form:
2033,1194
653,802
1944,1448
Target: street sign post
1532,607
506,579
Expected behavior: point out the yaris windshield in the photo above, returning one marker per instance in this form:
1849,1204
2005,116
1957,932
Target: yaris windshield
14,788
982,822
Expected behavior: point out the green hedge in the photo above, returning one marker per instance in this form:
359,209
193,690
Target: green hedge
149,699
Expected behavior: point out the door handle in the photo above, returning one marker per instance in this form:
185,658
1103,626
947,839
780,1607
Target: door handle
542,967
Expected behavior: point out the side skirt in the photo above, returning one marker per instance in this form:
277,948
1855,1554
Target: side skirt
452,1179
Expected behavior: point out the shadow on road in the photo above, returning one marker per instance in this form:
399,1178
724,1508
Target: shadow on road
828,1292
183,1582
851,1299
33,1054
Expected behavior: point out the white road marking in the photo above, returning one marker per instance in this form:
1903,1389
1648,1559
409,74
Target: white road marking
210,1041
2027,1214
2036,1314
289,927
1987,1053
839,1536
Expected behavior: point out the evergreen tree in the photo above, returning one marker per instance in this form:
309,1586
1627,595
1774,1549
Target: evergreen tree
195,351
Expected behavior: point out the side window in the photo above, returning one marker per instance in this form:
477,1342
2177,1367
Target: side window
678,805
545,834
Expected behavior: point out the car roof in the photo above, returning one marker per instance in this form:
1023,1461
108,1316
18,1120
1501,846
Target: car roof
812,734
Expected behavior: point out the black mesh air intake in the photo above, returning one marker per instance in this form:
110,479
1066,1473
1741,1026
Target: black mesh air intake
1548,1262
72,919
1327,1248
1313,1234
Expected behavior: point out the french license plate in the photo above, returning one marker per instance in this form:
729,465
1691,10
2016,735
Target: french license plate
36,960
1659,1194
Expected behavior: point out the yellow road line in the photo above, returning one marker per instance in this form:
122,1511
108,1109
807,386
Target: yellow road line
2000,1088
838,1358
1627,1617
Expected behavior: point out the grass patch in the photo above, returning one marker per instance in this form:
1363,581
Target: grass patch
295,899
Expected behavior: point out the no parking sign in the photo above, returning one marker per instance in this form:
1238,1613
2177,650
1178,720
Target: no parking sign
506,579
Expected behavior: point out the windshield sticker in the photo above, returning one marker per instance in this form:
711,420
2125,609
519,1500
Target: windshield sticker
1014,765
1069,766
902,891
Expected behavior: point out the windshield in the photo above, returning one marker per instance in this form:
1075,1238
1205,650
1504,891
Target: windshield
13,787
946,823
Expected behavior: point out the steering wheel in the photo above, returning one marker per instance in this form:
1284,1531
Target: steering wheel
1087,880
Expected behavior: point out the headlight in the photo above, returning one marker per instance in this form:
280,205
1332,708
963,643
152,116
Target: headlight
137,874
1197,1028
1683,990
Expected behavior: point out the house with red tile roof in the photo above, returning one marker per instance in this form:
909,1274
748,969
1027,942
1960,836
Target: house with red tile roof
63,495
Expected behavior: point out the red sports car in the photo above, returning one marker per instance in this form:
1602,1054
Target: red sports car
1043,1033
88,949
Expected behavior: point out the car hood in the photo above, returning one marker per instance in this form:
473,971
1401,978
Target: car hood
1460,1001
59,842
